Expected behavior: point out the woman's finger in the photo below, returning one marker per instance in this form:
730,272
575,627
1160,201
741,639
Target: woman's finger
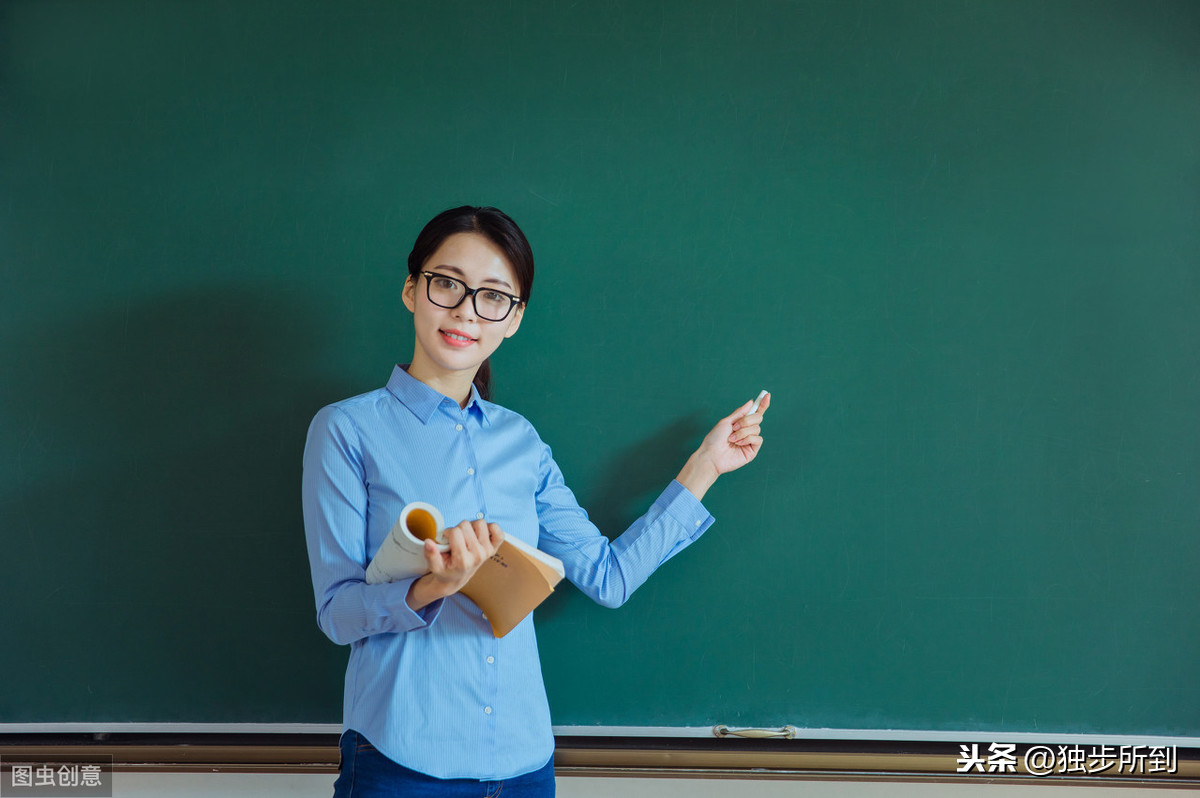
736,414
495,536
753,444
741,418
441,563
749,422
742,434
457,543
471,545
487,545
434,558
757,416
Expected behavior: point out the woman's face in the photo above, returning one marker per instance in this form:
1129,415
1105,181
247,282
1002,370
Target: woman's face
455,341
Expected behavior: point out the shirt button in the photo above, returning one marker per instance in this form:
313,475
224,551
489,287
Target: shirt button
490,660
487,710
458,427
470,471
479,516
698,523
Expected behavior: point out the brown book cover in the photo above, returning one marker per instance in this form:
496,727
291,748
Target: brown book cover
512,583
507,587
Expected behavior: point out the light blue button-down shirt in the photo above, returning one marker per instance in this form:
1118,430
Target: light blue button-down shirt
434,690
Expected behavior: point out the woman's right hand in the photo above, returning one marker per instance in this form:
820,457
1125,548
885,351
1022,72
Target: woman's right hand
471,543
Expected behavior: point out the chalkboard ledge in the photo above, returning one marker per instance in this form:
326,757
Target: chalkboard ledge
591,756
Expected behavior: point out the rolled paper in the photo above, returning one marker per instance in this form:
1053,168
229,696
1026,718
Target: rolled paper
402,554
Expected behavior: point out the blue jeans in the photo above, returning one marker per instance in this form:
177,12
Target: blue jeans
366,773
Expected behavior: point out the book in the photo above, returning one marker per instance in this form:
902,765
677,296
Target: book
507,587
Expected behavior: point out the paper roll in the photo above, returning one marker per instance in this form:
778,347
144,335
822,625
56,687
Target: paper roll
421,521
402,554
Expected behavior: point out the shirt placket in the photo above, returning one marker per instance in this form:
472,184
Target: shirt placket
490,652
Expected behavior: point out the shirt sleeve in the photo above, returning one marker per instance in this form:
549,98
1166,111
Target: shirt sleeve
335,526
607,571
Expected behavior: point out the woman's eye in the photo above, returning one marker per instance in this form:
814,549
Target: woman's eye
495,297
444,283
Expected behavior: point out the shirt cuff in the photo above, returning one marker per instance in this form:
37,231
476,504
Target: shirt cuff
404,616
682,505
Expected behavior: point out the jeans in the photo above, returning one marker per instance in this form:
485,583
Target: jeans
366,773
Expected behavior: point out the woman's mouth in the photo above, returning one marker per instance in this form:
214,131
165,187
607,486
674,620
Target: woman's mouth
457,338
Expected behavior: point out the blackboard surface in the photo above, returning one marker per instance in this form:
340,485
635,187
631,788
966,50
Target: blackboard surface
960,242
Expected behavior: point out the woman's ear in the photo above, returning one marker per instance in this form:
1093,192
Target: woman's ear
518,314
409,294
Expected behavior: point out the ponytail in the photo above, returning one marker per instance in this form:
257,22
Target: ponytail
483,380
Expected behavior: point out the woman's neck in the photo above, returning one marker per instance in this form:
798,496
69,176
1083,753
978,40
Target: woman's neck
455,384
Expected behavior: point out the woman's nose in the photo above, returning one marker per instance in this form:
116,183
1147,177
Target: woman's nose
465,309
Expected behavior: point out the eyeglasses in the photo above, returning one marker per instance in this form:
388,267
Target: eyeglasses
449,292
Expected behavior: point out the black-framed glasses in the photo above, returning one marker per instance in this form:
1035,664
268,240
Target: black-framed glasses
449,292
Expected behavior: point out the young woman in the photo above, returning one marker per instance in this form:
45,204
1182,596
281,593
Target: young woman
433,701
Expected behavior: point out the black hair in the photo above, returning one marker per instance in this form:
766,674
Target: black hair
495,226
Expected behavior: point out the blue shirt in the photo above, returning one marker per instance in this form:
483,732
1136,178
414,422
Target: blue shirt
434,690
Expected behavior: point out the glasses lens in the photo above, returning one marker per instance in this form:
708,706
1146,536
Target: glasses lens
492,305
445,292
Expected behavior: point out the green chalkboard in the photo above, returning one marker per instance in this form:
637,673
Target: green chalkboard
960,242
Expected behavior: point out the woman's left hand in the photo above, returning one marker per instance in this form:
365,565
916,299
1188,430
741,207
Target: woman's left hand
731,444
736,439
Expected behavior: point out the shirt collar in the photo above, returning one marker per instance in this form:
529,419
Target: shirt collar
424,401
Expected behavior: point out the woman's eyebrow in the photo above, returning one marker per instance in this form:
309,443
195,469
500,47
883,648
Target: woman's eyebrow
461,273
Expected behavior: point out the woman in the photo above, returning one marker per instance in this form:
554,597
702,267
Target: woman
433,700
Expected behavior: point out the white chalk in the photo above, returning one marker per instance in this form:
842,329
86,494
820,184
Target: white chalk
754,407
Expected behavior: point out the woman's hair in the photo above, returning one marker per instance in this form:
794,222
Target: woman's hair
495,226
